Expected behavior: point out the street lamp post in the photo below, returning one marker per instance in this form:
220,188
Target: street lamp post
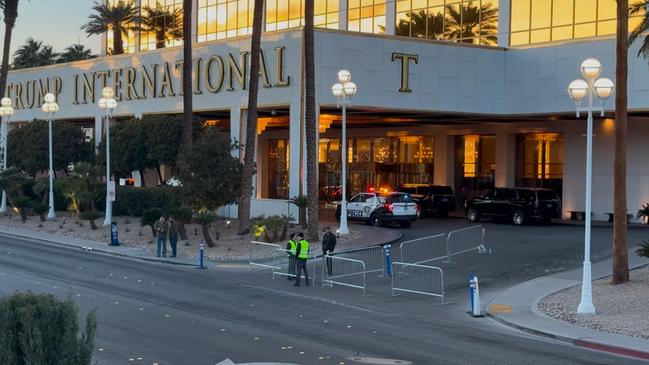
6,111
344,89
108,104
50,107
590,87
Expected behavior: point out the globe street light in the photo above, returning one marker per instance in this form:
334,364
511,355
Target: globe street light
579,90
108,104
6,111
50,107
343,90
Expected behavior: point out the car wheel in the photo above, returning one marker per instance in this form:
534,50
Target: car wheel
518,218
376,220
405,224
473,215
338,215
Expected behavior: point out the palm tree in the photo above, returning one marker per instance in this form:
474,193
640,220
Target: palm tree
251,123
34,54
620,253
639,8
76,52
421,25
10,10
471,22
310,123
188,102
165,24
119,19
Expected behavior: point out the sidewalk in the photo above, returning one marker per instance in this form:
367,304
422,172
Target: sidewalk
517,307
370,236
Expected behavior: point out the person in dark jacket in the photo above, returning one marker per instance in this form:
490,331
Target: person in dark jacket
173,235
328,246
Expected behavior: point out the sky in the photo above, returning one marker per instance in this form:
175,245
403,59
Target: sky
55,22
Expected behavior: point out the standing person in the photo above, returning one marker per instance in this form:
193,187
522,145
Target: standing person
161,227
328,246
173,235
302,254
291,247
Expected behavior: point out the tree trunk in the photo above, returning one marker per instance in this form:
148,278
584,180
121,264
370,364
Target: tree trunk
118,42
42,216
160,178
142,178
188,106
23,214
160,40
206,235
251,122
310,124
620,250
182,231
303,220
10,15
93,225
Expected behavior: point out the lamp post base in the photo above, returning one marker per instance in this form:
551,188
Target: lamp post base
343,230
586,304
3,205
51,214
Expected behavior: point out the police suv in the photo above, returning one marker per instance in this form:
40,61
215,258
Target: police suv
381,209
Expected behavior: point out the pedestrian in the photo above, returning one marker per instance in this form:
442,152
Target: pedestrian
328,246
291,248
161,227
173,235
302,255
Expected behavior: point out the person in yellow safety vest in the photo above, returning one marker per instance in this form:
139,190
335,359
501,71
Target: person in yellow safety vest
301,254
291,247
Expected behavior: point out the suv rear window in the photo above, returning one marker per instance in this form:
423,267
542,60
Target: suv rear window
526,194
547,195
442,190
399,198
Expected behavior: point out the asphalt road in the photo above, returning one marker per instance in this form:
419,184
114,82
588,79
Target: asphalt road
154,313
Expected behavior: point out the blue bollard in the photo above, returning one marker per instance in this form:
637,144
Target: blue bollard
201,257
471,283
388,264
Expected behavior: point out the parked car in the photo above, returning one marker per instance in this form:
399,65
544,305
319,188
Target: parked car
436,200
381,209
519,204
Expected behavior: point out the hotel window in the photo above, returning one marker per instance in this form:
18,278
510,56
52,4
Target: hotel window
129,40
367,16
466,21
220,19
536,21
284,14
540,160
164,21
278,165
476,172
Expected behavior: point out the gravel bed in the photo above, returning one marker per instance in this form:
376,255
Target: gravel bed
621,309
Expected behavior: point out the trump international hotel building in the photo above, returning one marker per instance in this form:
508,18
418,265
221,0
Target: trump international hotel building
470,94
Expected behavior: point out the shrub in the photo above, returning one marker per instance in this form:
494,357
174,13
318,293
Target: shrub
41,329
644,249
132,201
149,217
271,229
22,203
90,216
205,218
41,209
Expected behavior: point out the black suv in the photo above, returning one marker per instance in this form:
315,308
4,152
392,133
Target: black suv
436,200
519,204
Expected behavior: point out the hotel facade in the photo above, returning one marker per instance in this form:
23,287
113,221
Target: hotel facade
470,94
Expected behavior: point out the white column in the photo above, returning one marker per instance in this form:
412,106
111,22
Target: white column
138,41
504,19
390,17
194,20
505,159
295,143
342,14
98,134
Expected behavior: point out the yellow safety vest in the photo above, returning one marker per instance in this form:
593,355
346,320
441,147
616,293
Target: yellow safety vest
304,249
293,247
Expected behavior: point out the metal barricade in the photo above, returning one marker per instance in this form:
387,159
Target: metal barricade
466,240
372,257
343,271
261,254
282,264
417,279
422,250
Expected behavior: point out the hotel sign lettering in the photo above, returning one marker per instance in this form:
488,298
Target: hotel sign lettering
213,74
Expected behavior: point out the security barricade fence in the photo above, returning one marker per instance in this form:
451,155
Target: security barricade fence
282,263
372,257
343,271
423,250
261,254
466,240
417,279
